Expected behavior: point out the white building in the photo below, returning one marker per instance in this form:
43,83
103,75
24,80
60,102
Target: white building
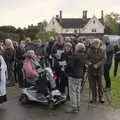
82,26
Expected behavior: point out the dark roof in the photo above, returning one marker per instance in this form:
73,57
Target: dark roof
74,22
101,20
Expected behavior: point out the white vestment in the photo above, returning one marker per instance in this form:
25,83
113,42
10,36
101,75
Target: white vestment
3,77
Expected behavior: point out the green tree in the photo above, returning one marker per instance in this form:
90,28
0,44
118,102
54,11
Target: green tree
111,23
44,36
8,29
34,32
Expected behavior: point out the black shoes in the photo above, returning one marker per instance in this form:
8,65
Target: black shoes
95,101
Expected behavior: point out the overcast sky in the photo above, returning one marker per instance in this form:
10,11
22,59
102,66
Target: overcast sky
21,13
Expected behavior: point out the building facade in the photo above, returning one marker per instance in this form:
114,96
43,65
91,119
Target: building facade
81,26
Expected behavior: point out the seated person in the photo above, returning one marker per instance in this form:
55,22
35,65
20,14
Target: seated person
29,67
34,72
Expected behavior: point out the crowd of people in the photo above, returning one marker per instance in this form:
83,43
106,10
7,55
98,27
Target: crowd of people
69,57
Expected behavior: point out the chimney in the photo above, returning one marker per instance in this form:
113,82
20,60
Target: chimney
102,14
60,14
85,14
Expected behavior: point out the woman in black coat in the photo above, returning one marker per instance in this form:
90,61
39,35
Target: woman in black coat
68,49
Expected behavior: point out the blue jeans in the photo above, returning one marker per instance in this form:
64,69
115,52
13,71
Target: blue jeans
10,68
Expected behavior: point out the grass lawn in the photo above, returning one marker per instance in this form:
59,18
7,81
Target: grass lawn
115,89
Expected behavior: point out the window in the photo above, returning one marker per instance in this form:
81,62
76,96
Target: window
66,30
93,30
53,29
75,31
94,21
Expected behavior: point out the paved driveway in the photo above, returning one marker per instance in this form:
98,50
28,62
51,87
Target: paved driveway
13,110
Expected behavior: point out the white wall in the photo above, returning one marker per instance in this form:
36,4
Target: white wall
59,28
70,30
55,26
90,25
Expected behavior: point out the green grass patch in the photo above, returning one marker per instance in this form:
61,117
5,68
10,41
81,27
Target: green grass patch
115,88
115,92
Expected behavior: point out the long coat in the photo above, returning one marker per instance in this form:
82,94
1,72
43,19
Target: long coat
96,57
3,69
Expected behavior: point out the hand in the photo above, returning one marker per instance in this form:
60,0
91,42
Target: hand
89,63
86,65
95,66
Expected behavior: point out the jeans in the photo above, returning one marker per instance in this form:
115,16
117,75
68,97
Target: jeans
10,68
74,91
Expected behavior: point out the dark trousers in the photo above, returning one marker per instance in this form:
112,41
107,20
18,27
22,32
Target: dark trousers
10,68
15,72
50,62
116,63
63,82
57,81
56,68
95,84
20,75
42,86
107,75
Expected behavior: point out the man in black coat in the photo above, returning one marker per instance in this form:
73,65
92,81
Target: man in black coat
56,52
108,64
116,58
49,49
19,59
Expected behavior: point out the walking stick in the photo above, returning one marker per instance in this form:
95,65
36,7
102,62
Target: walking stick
89,96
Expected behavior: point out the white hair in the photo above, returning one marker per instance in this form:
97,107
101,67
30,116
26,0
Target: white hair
31,52
79,47
9,43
